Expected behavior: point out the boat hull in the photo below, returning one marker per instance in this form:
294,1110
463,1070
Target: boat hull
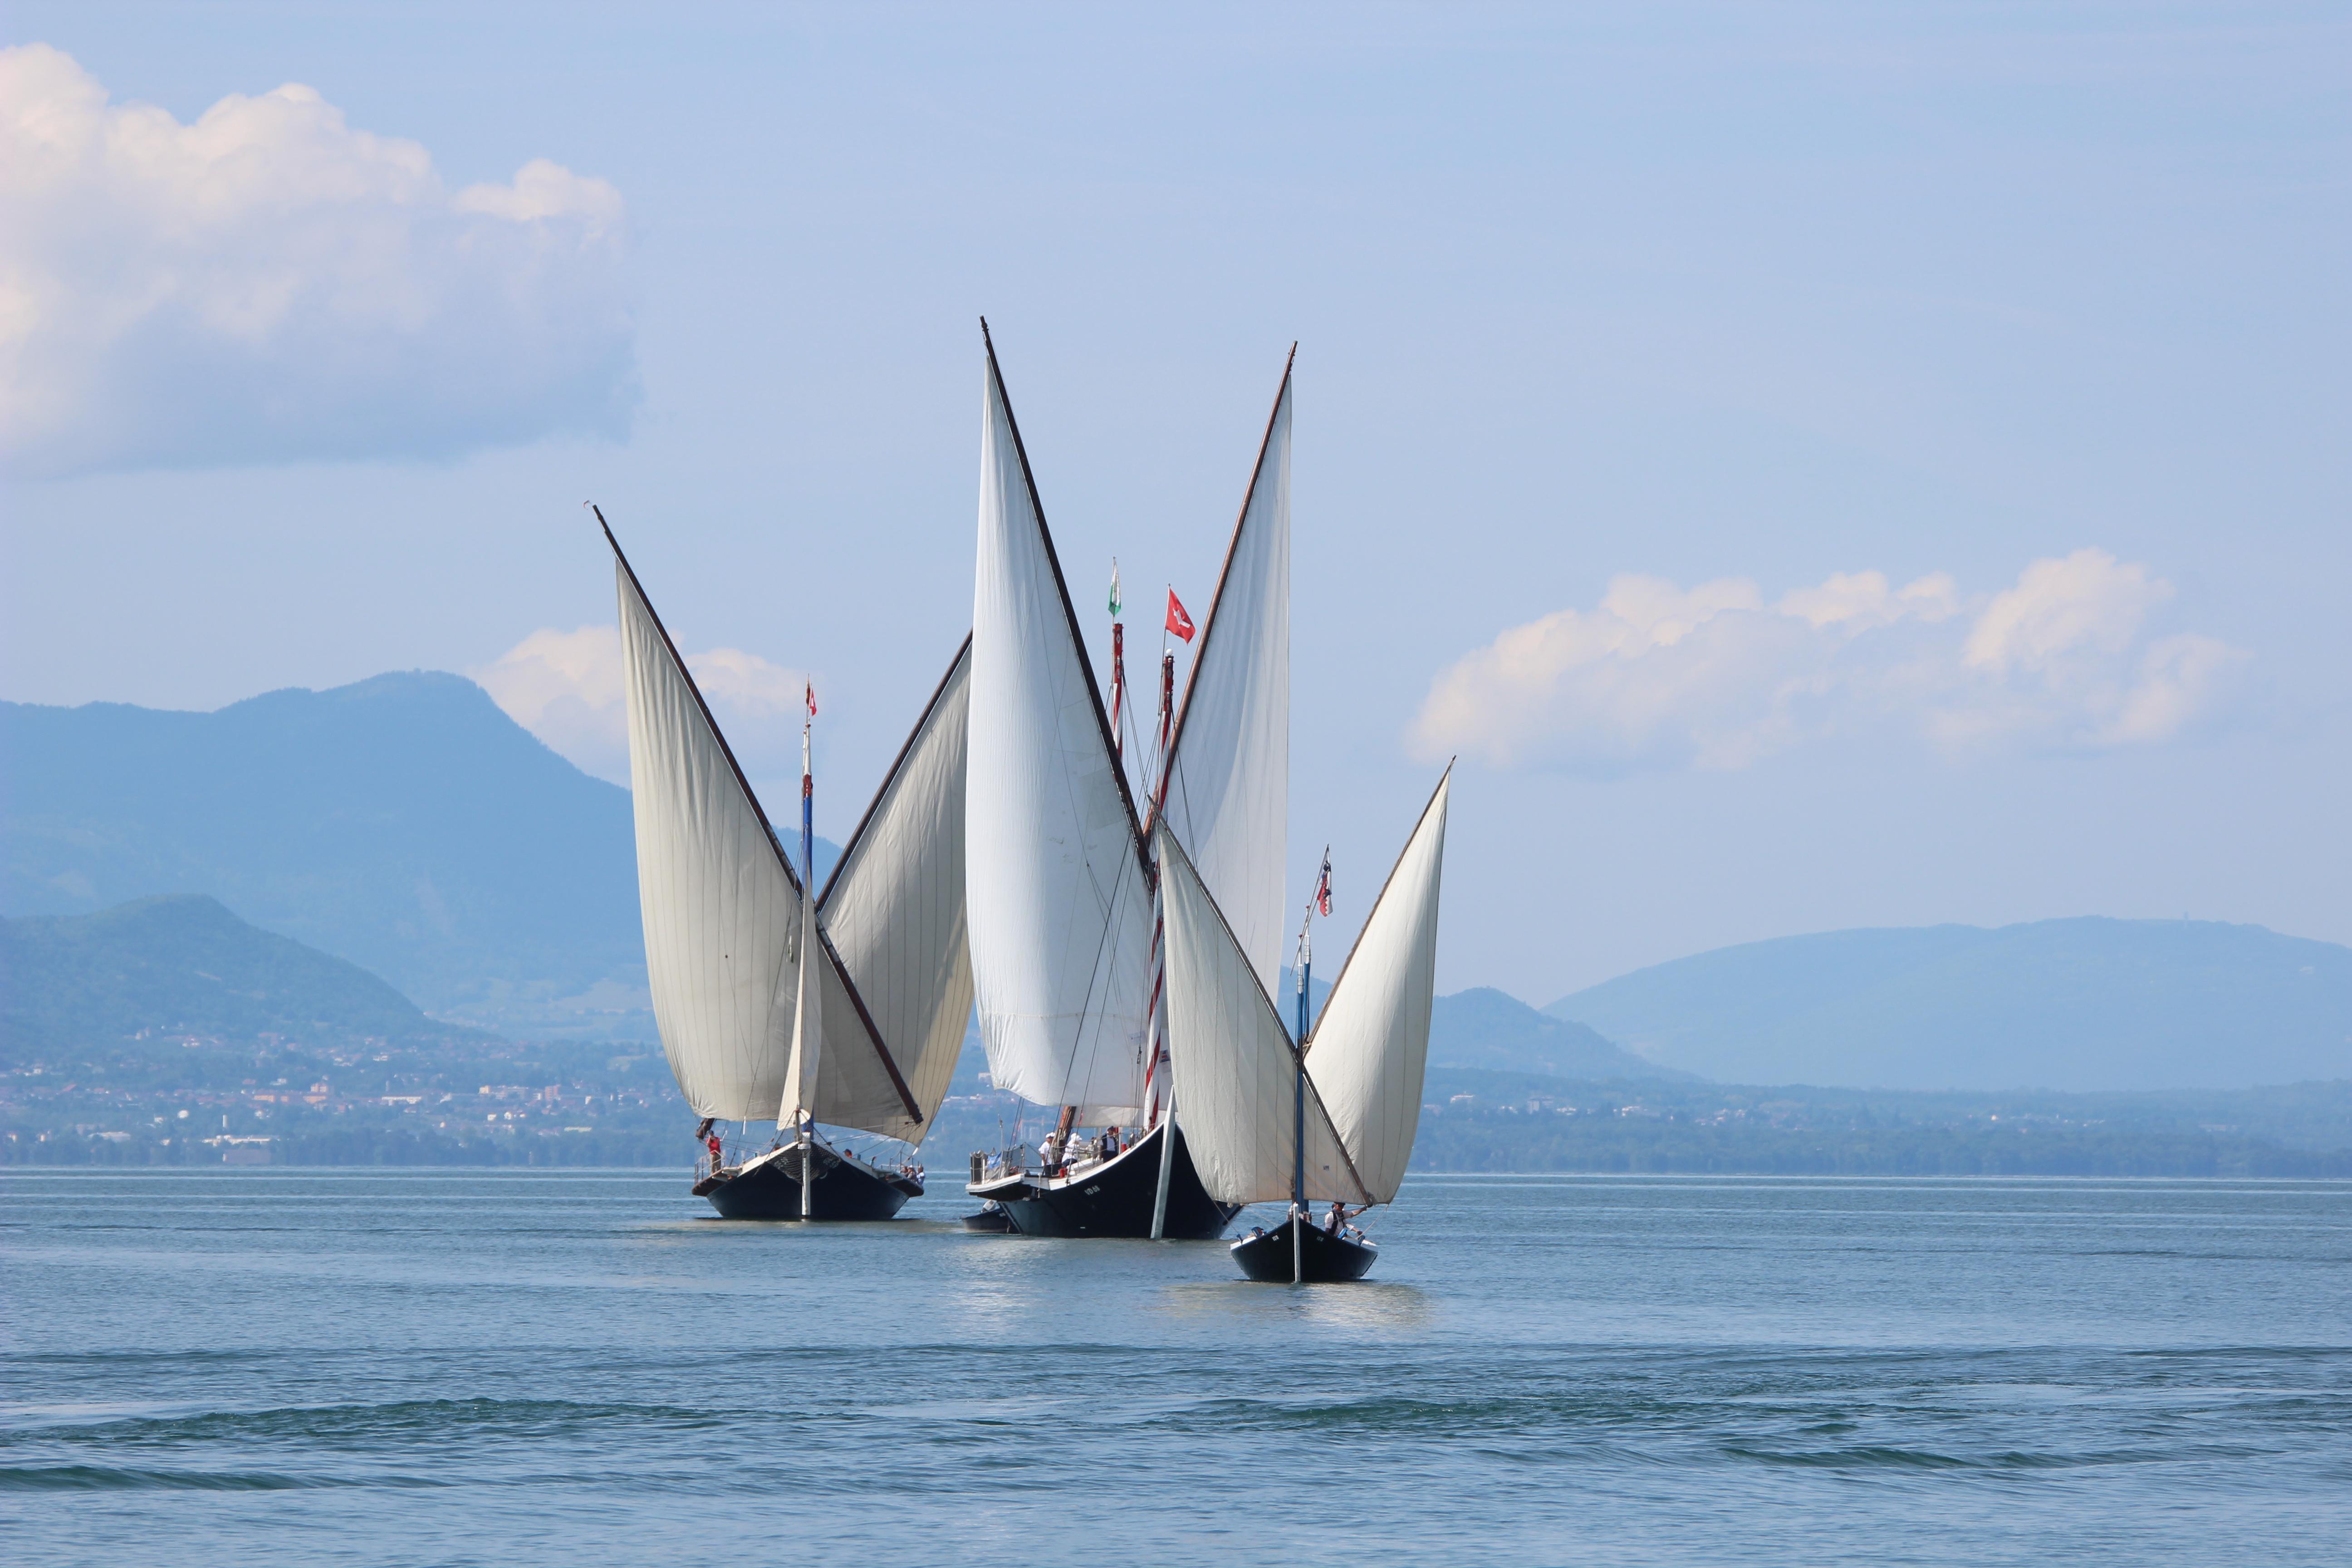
1322,1258
769,1188
1115,1198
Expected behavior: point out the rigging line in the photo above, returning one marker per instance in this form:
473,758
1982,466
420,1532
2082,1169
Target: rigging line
1100,968
1109,974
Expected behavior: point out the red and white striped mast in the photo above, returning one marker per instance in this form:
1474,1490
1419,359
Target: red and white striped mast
1176,621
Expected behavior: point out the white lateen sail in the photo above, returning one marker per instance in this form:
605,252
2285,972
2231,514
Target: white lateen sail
1371,1044
1228,789
1061,905
894,911
1237,1079
723,912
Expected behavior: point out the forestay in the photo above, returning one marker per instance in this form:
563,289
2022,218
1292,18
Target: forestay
1229,773
1237,1082
894,910
1370,1047
721,913
1060,908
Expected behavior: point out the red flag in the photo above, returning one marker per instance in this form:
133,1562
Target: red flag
1178,621
1323,887
812,698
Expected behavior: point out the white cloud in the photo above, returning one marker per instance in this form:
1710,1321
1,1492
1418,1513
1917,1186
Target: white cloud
2087,607
566,689
267,283
1656,676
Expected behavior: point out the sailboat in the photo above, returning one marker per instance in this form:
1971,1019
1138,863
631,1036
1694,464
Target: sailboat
864,1038
1326,1116
1064,929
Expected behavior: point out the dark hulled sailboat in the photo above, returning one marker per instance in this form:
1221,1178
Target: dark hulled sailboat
1119,1194
769,1185
866,1038
1330,1120
1066,940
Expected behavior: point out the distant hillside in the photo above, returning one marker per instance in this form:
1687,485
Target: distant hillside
2082,1004
1520,1121
403,823
1481,1029
184,966
1493,1030
1488,1030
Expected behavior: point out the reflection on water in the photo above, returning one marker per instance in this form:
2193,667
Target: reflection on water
1363,1306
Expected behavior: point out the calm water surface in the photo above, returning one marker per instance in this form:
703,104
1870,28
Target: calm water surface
505,1368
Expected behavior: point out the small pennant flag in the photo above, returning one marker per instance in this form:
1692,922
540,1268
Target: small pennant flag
1323,887
1114,587
1178,621
812,698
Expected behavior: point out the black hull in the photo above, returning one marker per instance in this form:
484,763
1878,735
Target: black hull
991,1220
1322,1258
846,1190
1115,1198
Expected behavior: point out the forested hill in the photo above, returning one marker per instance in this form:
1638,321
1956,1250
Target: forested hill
2063,1005
403,823
182,966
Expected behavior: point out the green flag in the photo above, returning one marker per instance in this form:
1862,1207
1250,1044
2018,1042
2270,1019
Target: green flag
1114,587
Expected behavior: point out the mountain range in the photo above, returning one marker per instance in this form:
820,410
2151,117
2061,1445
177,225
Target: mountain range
2083,1004
403,823
406,825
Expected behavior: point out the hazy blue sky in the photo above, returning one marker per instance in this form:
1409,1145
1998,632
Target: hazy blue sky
1631,344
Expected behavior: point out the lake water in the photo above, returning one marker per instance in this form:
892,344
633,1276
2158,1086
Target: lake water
502,1368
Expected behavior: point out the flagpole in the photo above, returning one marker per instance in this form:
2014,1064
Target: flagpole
812,946
1320,898
1118,670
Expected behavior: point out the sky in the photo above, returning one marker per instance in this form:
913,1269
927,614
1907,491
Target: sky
1815,466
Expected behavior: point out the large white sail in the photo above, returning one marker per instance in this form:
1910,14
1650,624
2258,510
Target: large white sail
721,913
1237,1082
1370,1046
894,913
1229,771
1061,909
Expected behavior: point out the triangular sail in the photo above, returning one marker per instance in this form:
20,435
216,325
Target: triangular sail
721,913
1228,789
894,913
1370,1046
1061,907
1237,1081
